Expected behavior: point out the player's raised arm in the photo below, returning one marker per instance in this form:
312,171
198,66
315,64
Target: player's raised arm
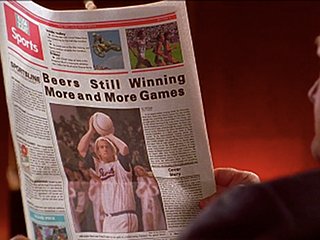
121,146
84,142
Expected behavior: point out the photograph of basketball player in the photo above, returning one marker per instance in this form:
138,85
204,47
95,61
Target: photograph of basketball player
113,175
154,46
99,149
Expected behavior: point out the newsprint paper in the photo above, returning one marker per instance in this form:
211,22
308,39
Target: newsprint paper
107,120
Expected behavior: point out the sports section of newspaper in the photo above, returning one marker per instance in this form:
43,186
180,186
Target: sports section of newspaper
107,120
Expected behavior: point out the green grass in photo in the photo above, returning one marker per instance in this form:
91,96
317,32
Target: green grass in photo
150,55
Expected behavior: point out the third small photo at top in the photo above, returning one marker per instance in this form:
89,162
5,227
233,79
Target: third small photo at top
154,46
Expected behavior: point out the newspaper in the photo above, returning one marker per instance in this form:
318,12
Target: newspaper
107,120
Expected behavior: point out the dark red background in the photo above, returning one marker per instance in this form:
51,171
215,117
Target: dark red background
256,62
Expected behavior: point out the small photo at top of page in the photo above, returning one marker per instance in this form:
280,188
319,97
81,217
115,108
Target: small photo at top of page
105,48
154,46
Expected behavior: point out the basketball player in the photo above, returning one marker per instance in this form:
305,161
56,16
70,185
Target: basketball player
141,45
114,175
158,50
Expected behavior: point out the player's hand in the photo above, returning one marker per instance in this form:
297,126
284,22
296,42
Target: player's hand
227,178
91,122
91,128
94,176
19,237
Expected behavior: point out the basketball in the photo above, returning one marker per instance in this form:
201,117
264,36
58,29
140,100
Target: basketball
102,123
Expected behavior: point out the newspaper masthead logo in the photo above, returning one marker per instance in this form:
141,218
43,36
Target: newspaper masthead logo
23,33
22,24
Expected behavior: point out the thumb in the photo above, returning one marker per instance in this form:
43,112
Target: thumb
19,237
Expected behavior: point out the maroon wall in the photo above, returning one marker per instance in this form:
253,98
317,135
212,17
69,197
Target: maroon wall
256,61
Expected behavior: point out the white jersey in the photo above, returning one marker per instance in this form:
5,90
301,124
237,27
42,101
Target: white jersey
141,47
116,188
152,214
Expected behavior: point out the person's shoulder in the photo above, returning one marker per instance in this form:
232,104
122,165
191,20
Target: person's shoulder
306,181
304,186
287,206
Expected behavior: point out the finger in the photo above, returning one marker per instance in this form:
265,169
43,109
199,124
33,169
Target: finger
205,202
208,200
91,128
19,237
313,90
89,5
228,177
